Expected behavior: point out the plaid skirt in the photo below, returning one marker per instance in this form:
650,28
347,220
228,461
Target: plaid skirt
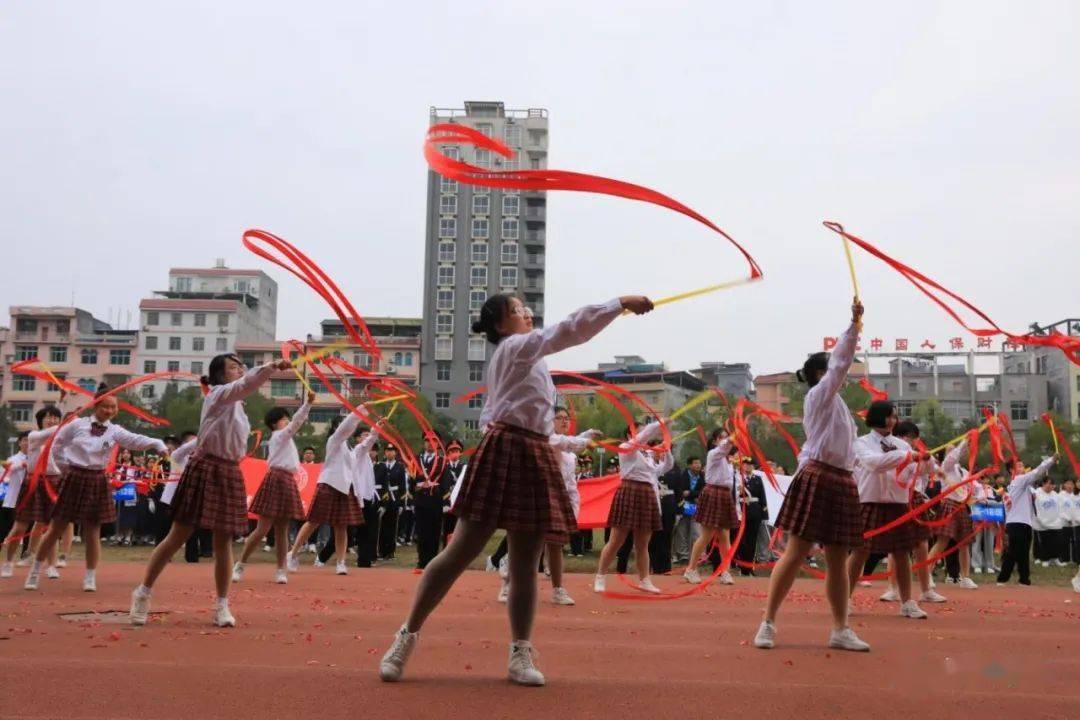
634,507
716,508
333,507
822,506
960,526
514,482
39,506
900,539
211,495
924,533
278,498
85,497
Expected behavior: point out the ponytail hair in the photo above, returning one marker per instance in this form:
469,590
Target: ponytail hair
102,388
216,372
493,312
716,435
812,370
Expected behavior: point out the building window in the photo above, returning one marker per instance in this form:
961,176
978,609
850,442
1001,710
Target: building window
25,352
200,319
447,252
408,359
534,164
510,228
477,349
481,205
511,205
196,367
120,357
512,133
484,129
175,319
183,284
221,344
509,254
444,324
446,275
173,366
23,383
151,342
398,359
444,348
57,354
448,227
88,356
447,185
198,344
153,318
442,400
452,151
476,401
483,158
147,391
87,384
442,371
508,277
24,325
477,298
149,366
478,275
480,228
478,252
282,388
905,408
1018,409
472,424
448,204
223,320
53,387
22,412
476,372
444,299
174,343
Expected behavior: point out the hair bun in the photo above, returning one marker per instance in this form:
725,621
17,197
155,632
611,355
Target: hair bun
799,376
478,327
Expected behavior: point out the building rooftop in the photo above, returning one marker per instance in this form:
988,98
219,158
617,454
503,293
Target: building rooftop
186,304
215,272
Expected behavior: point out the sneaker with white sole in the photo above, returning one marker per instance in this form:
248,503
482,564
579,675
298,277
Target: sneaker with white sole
89,583
911,609
846,639
52,573
646,585
977,571
292,563
726,579
341,568
967,583
1075,583
504,567
864,583
140,607
504,592
238,572
7,570
599,584
522,667
889,595
692,576
223,618
61,561
318,563
33,578
267,548
23,562
932,596
281,577
559,596
489,566
766,635
392,666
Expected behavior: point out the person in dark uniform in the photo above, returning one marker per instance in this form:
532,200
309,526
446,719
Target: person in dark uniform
429,487
390,483
751,494
454,470
660,543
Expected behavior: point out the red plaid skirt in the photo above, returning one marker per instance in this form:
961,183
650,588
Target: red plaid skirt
716,508
39,507
514,482
634,507
333,507
822,506
924,533
900,539
960,526
85,497
278,498
211,495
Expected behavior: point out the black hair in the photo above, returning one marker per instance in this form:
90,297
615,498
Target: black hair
48,410
24,434
715,435
215,374
814,366
388,448
906,428
878,413
455,441
170,439
306,448
273,415
493,312
102,388
690,460
188,434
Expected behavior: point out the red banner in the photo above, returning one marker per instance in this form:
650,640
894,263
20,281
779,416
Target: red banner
306,478
596,497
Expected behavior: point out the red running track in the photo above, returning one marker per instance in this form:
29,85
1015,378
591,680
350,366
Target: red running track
310,650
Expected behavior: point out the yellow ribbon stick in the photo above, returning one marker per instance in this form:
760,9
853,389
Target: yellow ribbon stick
956,439
692,403
850,261
700,291
1053,434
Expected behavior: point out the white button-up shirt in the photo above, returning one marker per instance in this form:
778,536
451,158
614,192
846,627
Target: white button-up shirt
953,472
364,468
17,469
338,470
642,465
177,461
875,468
224,426
519,387
830,429
283,454
718,470
569,446
37,440
76,445
1018,509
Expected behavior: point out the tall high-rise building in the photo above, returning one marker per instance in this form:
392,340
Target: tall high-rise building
479,241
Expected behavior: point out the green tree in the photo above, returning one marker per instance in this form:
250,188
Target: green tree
935,426
8,431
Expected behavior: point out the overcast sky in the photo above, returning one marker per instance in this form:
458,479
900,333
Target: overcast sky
135,136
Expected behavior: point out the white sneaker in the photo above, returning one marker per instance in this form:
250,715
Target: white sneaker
238,572
7,570
52,573
89,584
559,596
967,583
726,579
932,596
865,583
23,562
267,548
646,585
504,567
911,609
599,583
223,618
1057,563
341,568
32,579
846,639
978,571
292,563
521,669
766,636
504,591
393,662
311,548
692,576
140,607
489,566
889,596
1075,583
318,563
281,577
61,561
933,583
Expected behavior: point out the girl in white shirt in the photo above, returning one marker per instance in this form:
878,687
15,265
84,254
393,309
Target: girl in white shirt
35,511
956,506
211,493
277,500
1048,533
716,511
85,445
513,481
822,502
15,468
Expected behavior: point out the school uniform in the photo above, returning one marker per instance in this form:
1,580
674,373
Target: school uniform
822,502
567,447
278,497
716,504
1048,533
360,534
687,486
428,506
955,505
754,545
1070,531
660,542
336,501
38,506
636,505
882,498
449,520
982,547
391,483
14,478
1019,514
